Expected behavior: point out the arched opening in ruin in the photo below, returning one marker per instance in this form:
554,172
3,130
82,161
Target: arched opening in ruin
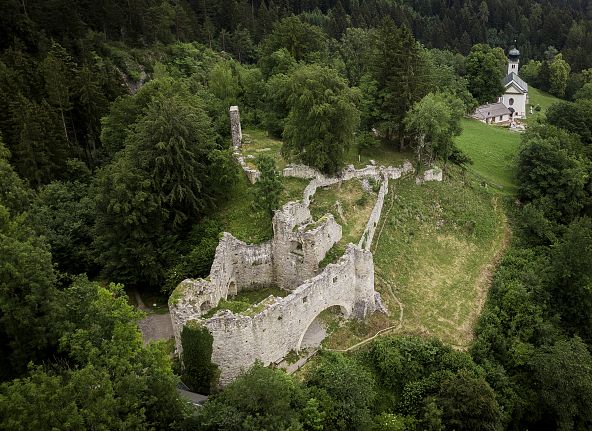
205,306
232,291
317,328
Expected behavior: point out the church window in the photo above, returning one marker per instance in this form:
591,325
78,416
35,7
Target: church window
511,101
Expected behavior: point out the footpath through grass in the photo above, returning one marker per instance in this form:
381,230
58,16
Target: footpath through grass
493,150
434,250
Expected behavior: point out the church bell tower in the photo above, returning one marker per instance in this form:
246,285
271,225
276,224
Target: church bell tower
513,61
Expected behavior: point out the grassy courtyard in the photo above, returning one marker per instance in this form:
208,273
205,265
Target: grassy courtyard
349,203
247,301
384,155
351,206
256,142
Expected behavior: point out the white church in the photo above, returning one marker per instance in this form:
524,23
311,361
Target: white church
512,105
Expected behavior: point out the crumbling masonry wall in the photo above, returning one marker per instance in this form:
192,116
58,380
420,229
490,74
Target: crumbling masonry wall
291,257
240,340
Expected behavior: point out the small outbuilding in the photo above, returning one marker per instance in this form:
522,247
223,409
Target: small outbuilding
493,113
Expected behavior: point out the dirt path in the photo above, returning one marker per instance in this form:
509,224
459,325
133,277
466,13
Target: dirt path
154,326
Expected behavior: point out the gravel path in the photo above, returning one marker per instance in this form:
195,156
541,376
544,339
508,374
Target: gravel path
154,326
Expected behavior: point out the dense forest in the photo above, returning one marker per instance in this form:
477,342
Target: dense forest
115,161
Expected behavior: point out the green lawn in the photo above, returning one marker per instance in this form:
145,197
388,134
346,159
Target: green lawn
257,142
433,254
538,97
493,150
383,155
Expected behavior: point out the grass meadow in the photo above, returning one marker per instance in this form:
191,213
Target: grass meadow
493,150
433,255
540,98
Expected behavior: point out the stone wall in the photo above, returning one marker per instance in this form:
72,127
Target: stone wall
299,244
291,261
434,174
237,266
237,141
300,171
240,340
368,236
235,127
291,257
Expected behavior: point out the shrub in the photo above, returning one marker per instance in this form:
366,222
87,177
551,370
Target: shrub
199,373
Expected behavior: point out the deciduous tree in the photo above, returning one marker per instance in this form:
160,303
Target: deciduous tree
323,118
268,187
485,70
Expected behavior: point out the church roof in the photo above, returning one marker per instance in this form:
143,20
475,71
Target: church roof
513,78
491,110
514,53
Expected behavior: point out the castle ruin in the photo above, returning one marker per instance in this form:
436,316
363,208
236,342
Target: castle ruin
289,261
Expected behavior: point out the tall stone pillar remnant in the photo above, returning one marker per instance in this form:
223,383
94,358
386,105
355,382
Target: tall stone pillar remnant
235,127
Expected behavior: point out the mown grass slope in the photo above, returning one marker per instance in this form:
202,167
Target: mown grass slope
493,150
433,255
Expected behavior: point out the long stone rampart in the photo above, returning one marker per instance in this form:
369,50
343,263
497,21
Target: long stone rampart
368,235
300,171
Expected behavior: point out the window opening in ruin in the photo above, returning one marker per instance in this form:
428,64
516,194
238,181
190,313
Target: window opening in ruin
305,299
296,248
334,279
232,291
205,306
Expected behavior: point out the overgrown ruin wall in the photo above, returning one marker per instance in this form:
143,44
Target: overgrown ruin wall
291,257
279,328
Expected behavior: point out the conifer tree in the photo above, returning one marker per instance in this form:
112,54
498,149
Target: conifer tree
401,70
268,187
